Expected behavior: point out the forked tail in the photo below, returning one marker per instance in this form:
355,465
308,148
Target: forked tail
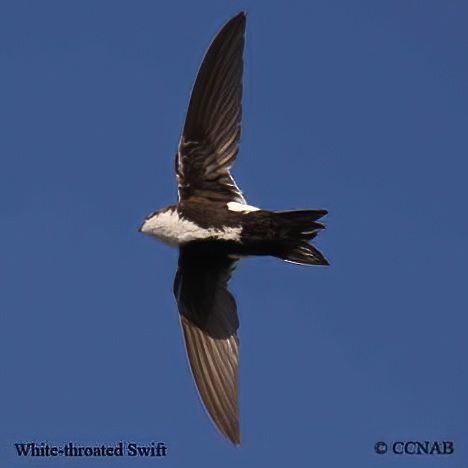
301,226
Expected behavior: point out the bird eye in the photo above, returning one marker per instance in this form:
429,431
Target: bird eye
151,215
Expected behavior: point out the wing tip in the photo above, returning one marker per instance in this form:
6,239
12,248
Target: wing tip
236,442
238,20
232,435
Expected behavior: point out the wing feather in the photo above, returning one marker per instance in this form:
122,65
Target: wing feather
208,316
210,139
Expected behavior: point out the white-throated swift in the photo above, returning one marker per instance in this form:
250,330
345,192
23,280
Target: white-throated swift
213,227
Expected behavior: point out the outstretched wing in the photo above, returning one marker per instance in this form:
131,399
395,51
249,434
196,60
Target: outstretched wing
208,315
210,140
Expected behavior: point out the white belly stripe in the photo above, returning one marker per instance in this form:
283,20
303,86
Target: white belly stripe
169,228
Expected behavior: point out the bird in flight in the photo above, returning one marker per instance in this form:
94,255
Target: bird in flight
213,227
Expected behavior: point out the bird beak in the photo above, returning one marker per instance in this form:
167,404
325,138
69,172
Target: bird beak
143,228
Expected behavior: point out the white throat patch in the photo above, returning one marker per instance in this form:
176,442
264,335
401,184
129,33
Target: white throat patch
173,230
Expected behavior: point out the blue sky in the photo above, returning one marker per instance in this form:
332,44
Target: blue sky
358,107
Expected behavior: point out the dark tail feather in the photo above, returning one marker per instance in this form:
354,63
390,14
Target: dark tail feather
300,226
302,223
301,252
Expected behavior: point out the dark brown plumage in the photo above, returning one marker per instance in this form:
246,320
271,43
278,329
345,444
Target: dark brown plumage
213,227
207,149
210,140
